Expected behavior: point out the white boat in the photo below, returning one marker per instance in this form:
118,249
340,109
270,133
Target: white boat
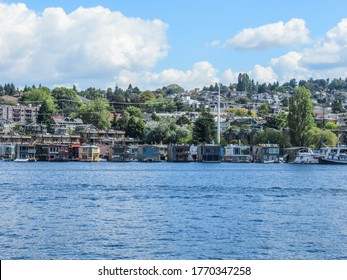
21,160
335,156
306,156
270,161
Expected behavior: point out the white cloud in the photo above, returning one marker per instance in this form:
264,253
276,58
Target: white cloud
214,43
229,77
327,58
201,74
263,74
329,52
279,34
89,43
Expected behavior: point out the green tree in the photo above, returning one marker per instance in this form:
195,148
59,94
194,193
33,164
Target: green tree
337,107
66,100
244,83
300,117
331,126
156,132
271,136
317,138
131,122
45,114
264,109
182,120
36,96
96,112
135,128
204,129
134,111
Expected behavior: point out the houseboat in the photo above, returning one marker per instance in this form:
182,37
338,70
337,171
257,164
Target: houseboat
25,152
237,153
209,153
119,153
58,152
7,152
266,153
178,153
90,153
334,156
148,153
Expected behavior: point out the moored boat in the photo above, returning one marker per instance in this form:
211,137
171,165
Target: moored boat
306,156
334,156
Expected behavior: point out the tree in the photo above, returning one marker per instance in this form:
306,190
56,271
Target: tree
67,100
96,112
316,137
244,83
300,117
45,114
182,120
132,123
264,109
204,129
331,126
271,136
134,128
156,132
36,96
337,107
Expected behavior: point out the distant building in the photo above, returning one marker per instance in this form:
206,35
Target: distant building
209,153
178,153
89,153
148,153
264,153
237,153
19,114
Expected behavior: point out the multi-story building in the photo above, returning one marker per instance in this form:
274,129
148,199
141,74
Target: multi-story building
19,114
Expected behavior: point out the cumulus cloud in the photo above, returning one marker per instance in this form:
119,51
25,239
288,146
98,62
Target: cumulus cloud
327,58
214,43
278,34
229,77
329,52
263,74
89,43
202,73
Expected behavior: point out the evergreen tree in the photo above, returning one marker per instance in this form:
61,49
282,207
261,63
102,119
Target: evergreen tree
45,114
204,130
300,117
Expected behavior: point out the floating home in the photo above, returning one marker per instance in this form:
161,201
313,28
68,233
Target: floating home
148,153
7,151
58,152
266,153
237,153
119,153
25,152
209,153
89,153
178,153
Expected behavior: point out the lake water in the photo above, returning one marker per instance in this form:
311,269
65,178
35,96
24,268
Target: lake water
166,210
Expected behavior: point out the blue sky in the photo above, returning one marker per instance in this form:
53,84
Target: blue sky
154,43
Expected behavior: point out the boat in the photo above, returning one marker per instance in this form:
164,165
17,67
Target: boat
336,155
21,160
306,156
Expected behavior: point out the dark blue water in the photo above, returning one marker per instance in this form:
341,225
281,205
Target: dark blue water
172,211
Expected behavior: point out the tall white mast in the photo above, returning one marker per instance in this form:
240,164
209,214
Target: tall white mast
218,117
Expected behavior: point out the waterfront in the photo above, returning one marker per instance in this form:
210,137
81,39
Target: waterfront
166,210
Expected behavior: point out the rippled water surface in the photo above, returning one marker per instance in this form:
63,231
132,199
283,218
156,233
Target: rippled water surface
172,211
